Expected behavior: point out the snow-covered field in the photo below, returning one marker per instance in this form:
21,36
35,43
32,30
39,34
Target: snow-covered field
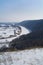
24,57
10,31
6,32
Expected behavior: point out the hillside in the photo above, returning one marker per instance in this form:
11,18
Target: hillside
32,40
27,39
33,25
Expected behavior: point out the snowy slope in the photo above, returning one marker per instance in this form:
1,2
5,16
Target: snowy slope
25,57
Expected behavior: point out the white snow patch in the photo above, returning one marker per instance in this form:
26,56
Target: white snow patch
25,57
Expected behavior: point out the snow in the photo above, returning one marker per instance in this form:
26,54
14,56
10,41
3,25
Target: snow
24,30
24,57
7,31
10,31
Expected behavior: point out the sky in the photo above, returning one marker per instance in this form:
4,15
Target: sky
19,10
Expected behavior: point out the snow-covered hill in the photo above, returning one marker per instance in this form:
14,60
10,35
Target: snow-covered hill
25,57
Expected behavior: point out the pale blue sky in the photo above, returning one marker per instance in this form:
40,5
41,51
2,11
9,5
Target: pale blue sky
18,10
